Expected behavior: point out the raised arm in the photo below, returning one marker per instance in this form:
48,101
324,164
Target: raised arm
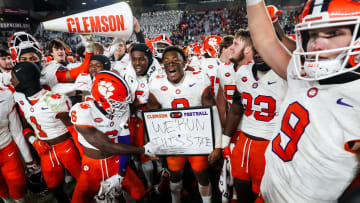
264,38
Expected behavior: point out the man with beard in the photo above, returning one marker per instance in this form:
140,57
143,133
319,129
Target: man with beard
6,63
180,89
252,116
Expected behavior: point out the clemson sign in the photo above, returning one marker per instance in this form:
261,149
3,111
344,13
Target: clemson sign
115,20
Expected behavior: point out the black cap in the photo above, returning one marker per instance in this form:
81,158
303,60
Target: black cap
103,59
144,48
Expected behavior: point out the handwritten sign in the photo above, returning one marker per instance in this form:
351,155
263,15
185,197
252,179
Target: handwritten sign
186,131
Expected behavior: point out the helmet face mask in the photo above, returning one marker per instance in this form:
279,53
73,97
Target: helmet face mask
111,93
20,41
312,65
160,43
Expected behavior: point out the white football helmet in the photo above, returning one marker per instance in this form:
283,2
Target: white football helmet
22,40
326,14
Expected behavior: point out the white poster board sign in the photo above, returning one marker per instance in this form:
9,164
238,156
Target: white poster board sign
186,131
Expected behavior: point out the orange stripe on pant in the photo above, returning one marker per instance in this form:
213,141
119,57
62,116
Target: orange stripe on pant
62,155
248,160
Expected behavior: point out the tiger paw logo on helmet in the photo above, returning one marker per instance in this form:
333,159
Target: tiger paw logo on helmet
106,89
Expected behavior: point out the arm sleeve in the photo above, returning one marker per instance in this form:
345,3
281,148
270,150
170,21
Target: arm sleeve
124,159
237,98
83,68
140,37
16,132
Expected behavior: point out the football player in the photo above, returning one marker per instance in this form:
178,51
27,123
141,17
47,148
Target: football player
12,176
47,113
142,70
312,156
251,118
181,89
103,131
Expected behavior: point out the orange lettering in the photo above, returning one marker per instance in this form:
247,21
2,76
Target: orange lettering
112,23
95,24
86,25
105,27
70,22
120,22
78,25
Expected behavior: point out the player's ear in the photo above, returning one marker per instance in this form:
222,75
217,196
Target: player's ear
248,49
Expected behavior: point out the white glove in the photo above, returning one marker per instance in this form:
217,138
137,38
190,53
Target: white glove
151,148
110,188
88,42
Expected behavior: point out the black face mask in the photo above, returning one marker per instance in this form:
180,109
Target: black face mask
39,65
28,74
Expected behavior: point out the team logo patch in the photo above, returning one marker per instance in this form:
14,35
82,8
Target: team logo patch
98,120
142,85
21,102
86,168
312,92
177,91
210,66
106,89
111,123
32,109
164,88
255,85
227,74
175,114
244,79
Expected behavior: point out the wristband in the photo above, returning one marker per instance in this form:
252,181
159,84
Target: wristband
28,130
252,2
32,139
225,141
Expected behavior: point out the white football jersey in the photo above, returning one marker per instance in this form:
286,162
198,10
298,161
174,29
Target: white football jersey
48,74
261,98
226,77
195,62
307,161
209,66
86,114
10,125
41,114
124,62
83,82
7,105
187,93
